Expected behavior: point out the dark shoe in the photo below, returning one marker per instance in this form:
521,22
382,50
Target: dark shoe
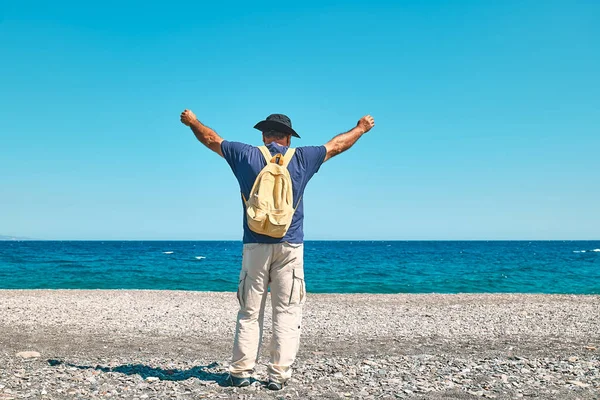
272,385
238,382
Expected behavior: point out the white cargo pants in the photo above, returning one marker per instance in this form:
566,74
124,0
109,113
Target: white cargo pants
281,267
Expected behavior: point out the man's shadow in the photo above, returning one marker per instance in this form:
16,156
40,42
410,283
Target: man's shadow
201,372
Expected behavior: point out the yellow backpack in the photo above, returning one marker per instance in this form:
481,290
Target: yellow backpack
270,207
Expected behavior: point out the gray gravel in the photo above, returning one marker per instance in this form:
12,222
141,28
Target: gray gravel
88,344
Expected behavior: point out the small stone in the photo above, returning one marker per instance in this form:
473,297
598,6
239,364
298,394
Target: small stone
338,375
28,354
151,379
573,359
578,383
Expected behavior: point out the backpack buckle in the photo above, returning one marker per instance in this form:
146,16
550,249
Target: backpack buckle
277,159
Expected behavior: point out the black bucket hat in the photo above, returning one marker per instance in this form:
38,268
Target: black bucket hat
277,122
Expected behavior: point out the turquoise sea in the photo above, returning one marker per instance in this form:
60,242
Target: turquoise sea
330,266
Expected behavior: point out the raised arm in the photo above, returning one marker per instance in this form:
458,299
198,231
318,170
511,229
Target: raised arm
203,133
344,141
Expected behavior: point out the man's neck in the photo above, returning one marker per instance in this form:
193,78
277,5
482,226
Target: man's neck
277,142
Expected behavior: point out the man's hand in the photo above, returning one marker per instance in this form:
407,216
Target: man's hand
188,117
366,123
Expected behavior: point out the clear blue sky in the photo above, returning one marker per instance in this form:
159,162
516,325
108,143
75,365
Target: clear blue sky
487,116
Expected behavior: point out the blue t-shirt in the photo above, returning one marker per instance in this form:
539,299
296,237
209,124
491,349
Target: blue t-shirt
247,161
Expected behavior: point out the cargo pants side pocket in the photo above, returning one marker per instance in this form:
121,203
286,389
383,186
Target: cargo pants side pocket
241,291
298,291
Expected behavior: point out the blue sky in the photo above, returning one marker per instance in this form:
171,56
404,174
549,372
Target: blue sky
487,116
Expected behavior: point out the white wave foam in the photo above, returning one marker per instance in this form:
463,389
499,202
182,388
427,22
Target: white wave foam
578,251
596,250
167,252
200,257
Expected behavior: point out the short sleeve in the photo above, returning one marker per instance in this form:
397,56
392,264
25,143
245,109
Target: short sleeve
234,153
311,158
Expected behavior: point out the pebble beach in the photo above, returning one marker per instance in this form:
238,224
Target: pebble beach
145,344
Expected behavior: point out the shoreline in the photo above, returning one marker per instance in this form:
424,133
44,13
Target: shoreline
365,345
308,292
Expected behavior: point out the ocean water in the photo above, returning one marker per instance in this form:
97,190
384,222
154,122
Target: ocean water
330,267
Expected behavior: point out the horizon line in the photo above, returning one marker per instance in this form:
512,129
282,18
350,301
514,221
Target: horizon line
17,239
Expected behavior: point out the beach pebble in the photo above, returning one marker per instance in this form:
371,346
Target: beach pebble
577,383
28,354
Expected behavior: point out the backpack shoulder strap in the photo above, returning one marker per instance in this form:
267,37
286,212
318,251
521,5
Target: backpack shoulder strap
266,153
288,156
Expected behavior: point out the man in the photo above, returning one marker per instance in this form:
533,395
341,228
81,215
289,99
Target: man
270,261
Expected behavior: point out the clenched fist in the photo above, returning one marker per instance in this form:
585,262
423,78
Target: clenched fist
366,123
188,117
